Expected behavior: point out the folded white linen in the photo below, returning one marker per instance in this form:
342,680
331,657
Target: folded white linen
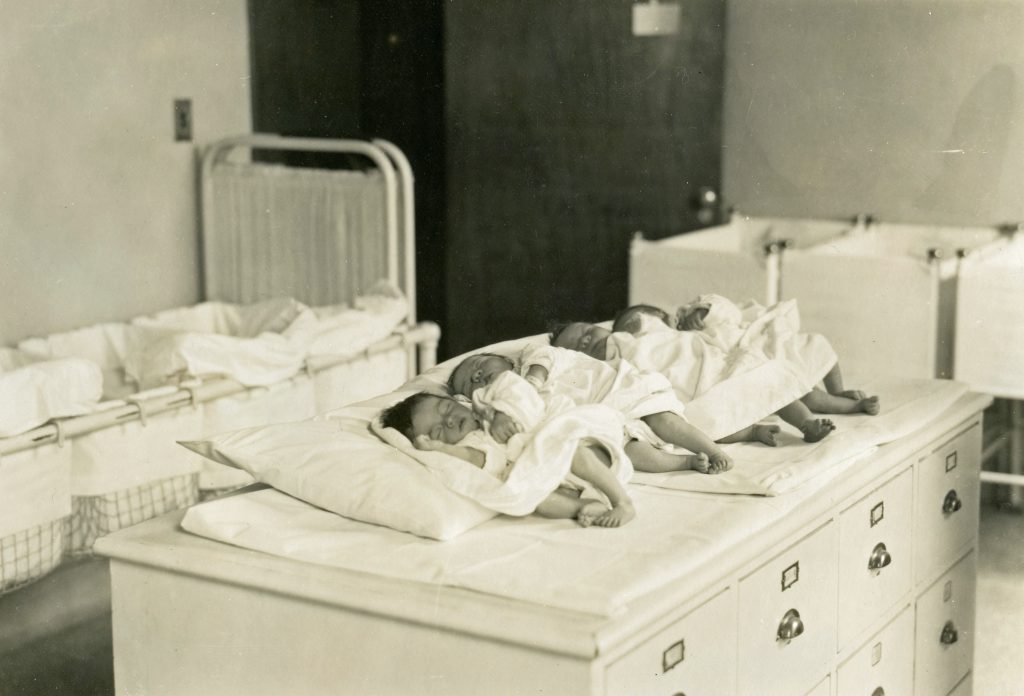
343,331
37,392
761,470
249,343
257,344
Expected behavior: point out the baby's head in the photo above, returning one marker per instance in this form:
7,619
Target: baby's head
630,319
583,337
477,371
436,416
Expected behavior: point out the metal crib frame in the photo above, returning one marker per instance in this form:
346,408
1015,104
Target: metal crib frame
419,340
389,160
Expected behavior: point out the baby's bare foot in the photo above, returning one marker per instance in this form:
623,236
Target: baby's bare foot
617,516
815,429
869,405
719,463
766,434
590,511
855,394
696,462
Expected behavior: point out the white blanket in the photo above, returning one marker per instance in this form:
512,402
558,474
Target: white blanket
762,470
773,331
539,468
35,392
736,373
257,344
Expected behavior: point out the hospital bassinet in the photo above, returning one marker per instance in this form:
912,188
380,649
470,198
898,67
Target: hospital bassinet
739,260
120,463
885,298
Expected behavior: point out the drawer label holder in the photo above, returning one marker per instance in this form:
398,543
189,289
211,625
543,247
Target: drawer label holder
790,576
878,513
673,656
951,461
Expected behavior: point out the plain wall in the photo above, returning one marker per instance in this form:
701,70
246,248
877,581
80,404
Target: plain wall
98,203
909,110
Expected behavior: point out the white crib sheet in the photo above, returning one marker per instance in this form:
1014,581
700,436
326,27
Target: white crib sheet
907,405
556,562
552,562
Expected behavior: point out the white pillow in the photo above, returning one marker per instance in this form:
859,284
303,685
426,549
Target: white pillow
352,474
335,462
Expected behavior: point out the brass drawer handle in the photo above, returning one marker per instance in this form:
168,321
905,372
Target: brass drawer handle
880,557
791,626
949,634
951,503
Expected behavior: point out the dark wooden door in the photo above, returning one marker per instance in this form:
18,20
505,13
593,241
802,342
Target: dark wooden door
565,135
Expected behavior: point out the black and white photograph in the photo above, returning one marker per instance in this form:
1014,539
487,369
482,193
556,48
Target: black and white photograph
512,347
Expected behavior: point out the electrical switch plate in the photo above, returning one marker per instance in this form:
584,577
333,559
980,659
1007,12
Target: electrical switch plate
655,18
182,120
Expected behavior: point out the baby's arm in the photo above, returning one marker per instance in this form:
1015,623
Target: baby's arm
721,310
536,375
504,426
670,427
467,454
692,318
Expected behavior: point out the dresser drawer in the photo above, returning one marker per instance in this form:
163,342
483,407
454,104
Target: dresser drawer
883,665
875,555
964,688
944,637
822,689
695,656
788,612
946,518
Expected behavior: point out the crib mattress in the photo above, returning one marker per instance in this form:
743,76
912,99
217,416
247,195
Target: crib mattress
548,562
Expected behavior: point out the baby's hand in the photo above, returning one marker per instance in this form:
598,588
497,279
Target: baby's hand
694,319
504,427
423,442
718,462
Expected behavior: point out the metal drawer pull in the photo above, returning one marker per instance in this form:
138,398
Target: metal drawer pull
878,692
791,626
951,503
949,634
880,557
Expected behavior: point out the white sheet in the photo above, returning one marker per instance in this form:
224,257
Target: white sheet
556,562
760,470
37,392
257,344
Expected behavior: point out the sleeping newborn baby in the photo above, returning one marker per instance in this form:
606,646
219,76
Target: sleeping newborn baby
655,424
724,388
592,491
774,330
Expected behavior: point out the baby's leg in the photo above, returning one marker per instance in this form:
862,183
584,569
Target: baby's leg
591,463
648,458
798,415
834,385
560,506
819,401
758,432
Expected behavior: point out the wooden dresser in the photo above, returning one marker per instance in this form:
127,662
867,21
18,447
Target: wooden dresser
867,589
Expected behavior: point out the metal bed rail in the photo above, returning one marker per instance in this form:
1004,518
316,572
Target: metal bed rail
423,336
